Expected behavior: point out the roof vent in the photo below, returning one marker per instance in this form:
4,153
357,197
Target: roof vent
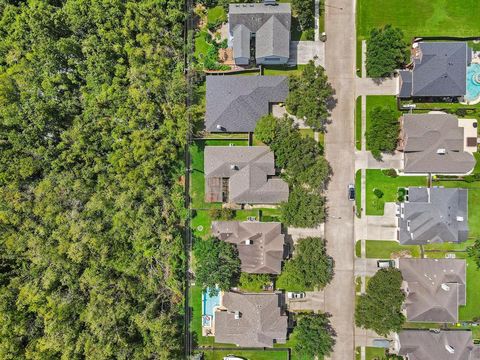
270,2
233,167
459,218
441,151
219,127
237,315
248,242
450,349
445,287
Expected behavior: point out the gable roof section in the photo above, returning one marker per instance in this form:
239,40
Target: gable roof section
241,41
236,103
440,69
270,39
428,345
436,288
249,170
265,253
261,321
433,215
424,135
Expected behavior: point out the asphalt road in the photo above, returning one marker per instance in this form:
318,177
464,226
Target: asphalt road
339,147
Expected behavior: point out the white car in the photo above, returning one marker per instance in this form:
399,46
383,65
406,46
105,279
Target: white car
295,295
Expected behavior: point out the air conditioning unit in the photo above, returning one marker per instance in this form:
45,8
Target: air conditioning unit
445,287
237,315
248,242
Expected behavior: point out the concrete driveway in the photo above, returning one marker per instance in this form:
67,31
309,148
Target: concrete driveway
313,301
367,86
300,233
383,227
365,160
365,267
301,52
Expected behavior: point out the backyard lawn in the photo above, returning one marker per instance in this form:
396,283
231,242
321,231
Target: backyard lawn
382,101
472,309
389,186
197,185
420,17
247,354
216,15
383,249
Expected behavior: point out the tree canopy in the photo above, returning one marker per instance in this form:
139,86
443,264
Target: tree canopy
216,264
304,10
386,51
92,127
314,336
379,308
382,134
310,268
309,96
474,252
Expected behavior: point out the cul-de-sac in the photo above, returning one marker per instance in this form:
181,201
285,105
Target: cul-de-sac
240,179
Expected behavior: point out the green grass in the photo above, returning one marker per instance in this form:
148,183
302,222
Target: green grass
358,248
358,123
476,169
358,192
197,184
321,138
247,354
359,57
282,70
389,186
307,133
383,249
216,14
420,17
196,322
201,44
472,309
374,101
372,353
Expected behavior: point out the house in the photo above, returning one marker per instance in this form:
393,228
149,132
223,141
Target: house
435,288
437,345
236,103
242,175
263,28
439,70
437,143
433,215
260,244
251,320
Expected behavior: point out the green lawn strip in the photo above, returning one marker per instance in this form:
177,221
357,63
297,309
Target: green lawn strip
358,353
383,249
282,70
197,184
382,101
246,354
358,191
358,248
373,353
321,138
359,57
358,123
476,170
471,310
270,215
201,44
307,133
358,284
420,17
216,14
389,185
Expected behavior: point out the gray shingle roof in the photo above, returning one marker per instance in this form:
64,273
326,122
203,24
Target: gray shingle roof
424,137
440,69
265,252
406,84
270,23
249,170
241,41
433,215
428,345
436,288
261,321
235,103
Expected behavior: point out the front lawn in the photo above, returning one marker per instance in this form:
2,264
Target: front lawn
247,354
420,17
383,249
197,179
389,186
282,70
374,101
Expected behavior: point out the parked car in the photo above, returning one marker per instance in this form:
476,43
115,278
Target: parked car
295,295
351,192
384,264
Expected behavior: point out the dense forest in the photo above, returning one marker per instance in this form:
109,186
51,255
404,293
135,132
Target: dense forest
92,126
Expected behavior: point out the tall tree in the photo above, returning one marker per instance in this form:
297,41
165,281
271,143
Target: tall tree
382,134
314,336
379,308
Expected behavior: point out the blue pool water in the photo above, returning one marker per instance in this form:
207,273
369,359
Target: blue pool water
209,302
473,82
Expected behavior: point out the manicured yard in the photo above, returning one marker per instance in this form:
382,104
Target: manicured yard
216,15
472,309
420,17
383,249
247,354
382,101
358,123
282,70
196,321
358,192
389,186
201,44
197,185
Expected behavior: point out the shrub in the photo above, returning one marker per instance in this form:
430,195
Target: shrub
378,193
222,214
254,282
461,112
382,135
390,172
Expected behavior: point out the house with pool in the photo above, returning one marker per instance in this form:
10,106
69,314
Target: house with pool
442,71
246,320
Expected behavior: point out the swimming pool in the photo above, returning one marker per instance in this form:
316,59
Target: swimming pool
209,303
473,83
